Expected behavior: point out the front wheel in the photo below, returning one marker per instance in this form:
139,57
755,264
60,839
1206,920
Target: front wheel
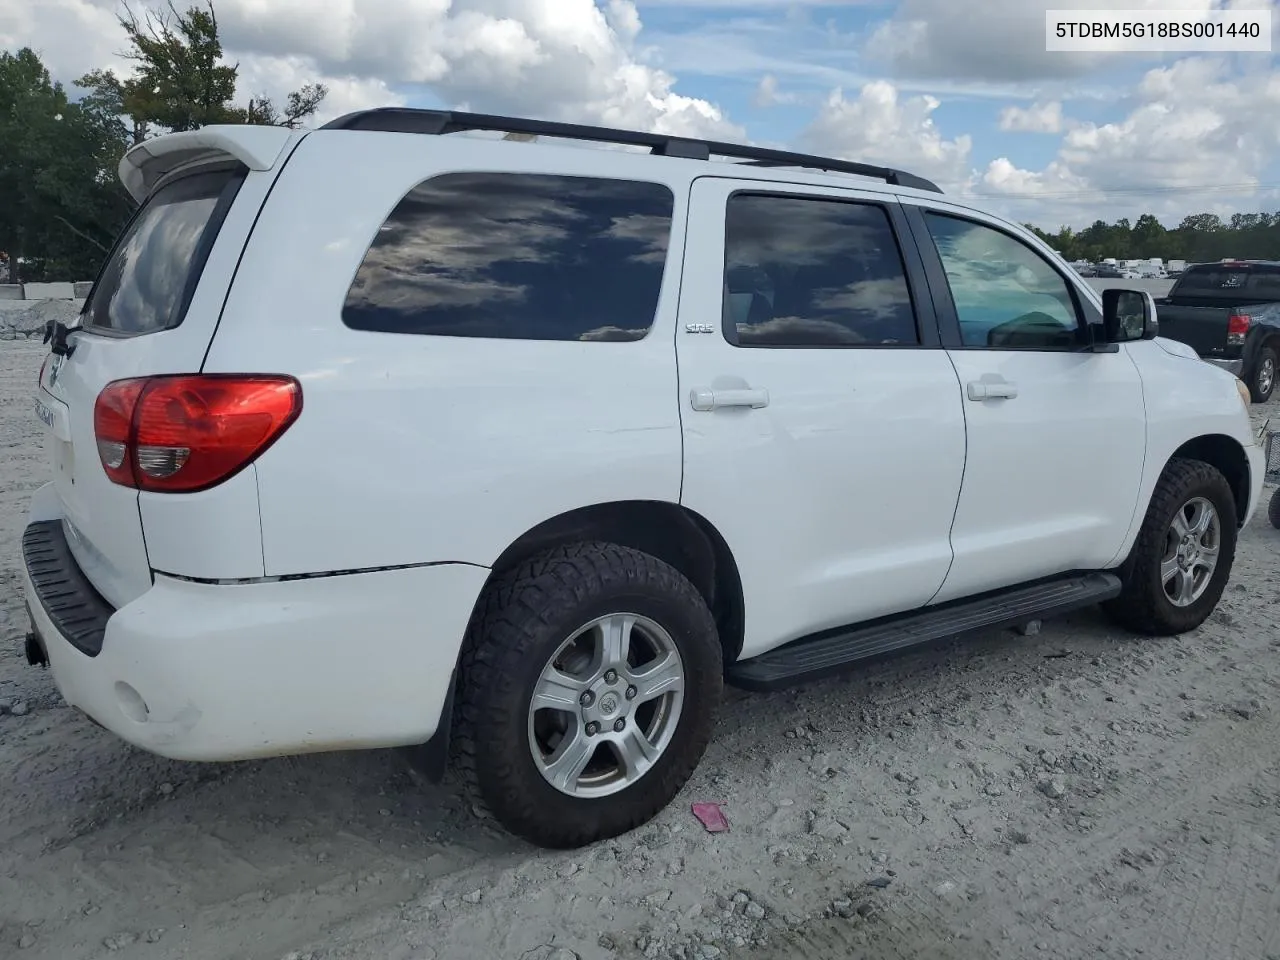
1263,381
1183,554
589,683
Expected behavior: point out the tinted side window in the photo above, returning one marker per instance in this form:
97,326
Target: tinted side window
155,266
810,272
1006,295
517,256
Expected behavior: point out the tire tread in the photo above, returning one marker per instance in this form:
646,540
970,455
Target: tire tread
1142,606
515,610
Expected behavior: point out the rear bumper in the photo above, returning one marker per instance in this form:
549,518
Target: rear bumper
200,671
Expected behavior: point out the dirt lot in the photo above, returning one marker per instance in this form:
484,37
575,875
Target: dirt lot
1079,793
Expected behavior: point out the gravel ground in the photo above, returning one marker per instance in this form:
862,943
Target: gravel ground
1076,793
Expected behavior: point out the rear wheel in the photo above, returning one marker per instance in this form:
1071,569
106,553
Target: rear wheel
1262,382
1183,555
1273,509
588,689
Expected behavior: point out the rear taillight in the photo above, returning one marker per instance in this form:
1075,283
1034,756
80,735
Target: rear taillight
179,434
1238,328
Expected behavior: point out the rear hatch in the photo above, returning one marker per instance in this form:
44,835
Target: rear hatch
153,310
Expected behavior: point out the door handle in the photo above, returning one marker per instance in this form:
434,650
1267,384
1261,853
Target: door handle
991,390
701,398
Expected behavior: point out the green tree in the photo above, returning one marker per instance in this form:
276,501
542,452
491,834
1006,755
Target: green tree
299,105
31,108
181,81
62,203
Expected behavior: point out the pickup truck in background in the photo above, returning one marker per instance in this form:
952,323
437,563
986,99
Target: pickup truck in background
1229,313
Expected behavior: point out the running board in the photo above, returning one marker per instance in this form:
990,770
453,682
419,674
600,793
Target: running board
829,653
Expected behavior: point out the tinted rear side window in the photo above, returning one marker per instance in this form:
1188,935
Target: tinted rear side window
517,256
813,272
157,261
1231,283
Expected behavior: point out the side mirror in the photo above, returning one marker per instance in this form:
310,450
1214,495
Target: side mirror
1129,315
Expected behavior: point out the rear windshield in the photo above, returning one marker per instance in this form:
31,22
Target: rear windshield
1240,284
155,266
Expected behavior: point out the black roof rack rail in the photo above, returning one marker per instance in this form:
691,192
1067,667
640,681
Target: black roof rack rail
412,120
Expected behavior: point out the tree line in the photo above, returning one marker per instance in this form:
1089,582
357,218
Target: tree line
1198,238
61,201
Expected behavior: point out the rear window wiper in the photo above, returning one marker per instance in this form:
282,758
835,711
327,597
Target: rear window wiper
56,333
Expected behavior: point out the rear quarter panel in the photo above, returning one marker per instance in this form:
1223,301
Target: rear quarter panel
416,449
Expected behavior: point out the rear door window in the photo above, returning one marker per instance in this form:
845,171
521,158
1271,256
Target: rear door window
517,257
152,273
805,271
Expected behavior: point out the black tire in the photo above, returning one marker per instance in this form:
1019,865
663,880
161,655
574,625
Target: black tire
1262,378
1143,606
1273,509
523,618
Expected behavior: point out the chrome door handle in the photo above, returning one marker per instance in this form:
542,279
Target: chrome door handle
704,399
989,390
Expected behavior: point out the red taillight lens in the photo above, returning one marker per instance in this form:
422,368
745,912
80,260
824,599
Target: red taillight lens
113,427
1238,324
179,434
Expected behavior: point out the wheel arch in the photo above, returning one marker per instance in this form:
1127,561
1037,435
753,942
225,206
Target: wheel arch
668,531
1227,456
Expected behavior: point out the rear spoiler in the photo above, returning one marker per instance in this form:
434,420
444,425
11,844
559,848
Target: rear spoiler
257,147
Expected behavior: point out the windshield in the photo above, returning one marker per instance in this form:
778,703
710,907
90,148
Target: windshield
148,281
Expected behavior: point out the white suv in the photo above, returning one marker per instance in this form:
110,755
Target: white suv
394,434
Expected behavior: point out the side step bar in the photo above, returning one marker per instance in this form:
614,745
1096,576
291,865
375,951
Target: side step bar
829,653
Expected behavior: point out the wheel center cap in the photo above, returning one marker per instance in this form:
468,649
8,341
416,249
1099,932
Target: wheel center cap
609,704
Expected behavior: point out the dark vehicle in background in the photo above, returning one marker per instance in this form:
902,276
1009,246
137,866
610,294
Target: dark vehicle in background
1229,313
1109,271
1085,269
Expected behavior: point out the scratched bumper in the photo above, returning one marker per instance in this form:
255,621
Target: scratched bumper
199,671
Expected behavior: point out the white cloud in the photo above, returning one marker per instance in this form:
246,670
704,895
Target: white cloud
1002,177
998,40
879,126
624,18
555,59
1199,132
1037,118
71,36
1198,138
274,77
768,94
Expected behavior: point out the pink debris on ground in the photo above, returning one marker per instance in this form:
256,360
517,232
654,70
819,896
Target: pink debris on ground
711,817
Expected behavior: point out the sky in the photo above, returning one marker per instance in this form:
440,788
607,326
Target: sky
959,91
